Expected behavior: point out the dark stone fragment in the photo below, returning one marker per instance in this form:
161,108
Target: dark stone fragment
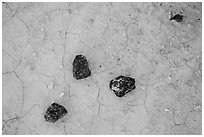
177,17
54,112
81,67
121,85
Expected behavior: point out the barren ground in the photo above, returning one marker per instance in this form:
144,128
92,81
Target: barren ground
40,41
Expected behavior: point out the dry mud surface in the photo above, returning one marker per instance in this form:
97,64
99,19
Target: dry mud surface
40,41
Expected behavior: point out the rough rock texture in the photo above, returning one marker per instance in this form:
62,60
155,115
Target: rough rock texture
54,112
81,68
121,85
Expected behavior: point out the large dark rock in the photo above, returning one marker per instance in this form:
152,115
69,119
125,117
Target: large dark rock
121,85
55,112
81,67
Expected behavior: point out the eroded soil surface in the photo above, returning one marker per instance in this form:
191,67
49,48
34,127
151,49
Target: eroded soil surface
164,56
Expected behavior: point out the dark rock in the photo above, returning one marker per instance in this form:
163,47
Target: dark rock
54,112
177,17
121,85
81,67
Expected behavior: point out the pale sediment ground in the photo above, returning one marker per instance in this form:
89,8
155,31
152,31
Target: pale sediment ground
40,41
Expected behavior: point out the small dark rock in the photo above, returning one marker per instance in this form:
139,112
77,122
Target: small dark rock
177,18
54,112
121,85
81,67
